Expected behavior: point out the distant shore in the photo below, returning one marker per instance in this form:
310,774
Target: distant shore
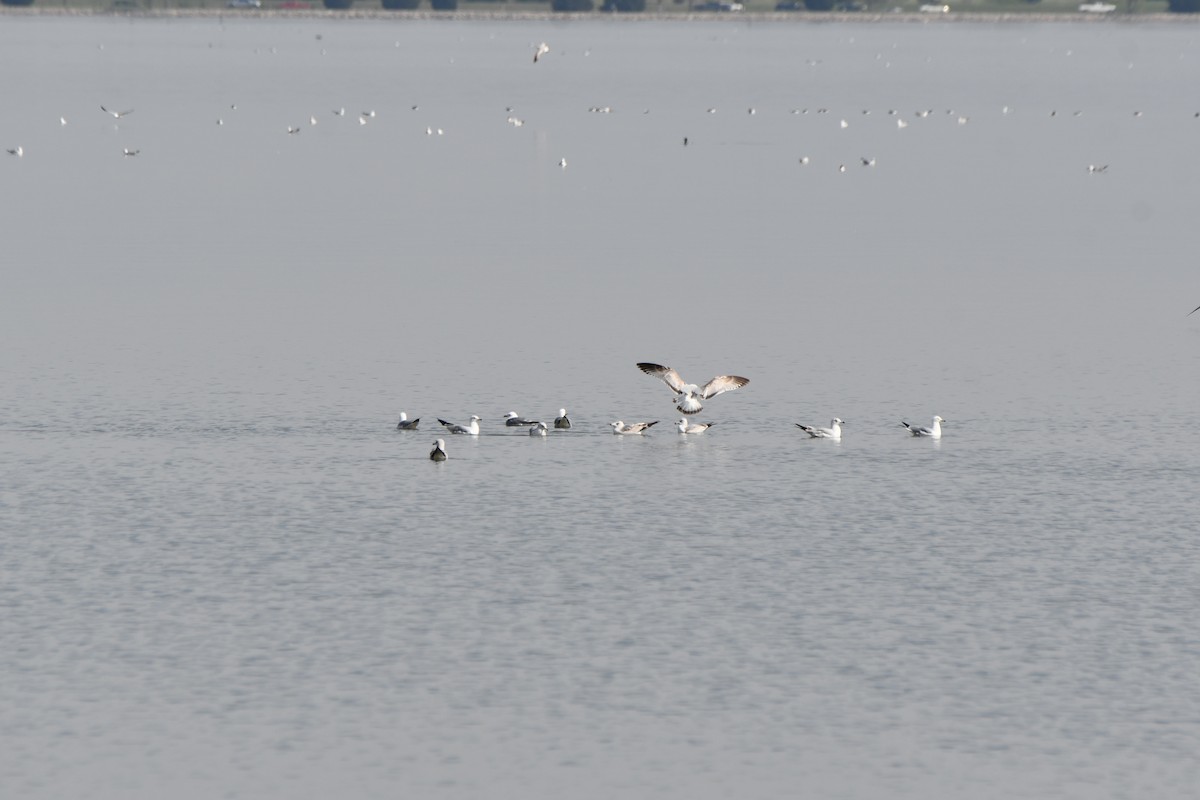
815,18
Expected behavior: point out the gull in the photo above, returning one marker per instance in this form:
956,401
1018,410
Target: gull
561,420
438,453
542,49
621,429
901,123
689,395
538,429
1093,168
62,120
934,432
834,431
867,162
362,120
370,113
116,114
129,152
471,428
312,120
17,151
292,130
803,160
340,112
562,162
512,420
696,427
845,124
406,424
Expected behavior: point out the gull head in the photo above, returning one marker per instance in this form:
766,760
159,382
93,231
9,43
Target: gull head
562,412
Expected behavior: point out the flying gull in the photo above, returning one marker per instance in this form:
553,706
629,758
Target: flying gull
561,420
621,429
695,427
542,49
538,430
116,114
438,453
512,420
933,432
406,424
689,395
471,428
834,431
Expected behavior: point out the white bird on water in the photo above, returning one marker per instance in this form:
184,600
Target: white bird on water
561,421
512,420
621,429
129,152
696,427
471,428
438,453
689,395
933,432
834,431
542,49
539,429
406,424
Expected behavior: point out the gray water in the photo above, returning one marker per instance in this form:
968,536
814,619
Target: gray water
223,572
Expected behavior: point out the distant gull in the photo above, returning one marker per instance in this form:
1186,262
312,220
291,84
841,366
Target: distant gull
17,151
867,162
934,432
62,120
542,49
561,420
341,112
1094,168
689,395
438,453
621,429
129,152
538,429
312,120
292,130
562,162
696,427
471,428
512,420
116,114
406,424
834,431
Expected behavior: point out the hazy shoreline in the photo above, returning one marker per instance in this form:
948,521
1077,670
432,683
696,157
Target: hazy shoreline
681,16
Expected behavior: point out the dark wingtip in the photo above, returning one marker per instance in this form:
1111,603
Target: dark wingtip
443,421
648,424
1193,311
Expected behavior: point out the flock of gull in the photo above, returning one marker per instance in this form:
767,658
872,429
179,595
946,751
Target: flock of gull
687,398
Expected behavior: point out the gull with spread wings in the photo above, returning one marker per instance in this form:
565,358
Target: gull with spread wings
689,395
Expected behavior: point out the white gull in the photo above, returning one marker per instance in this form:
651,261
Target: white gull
406,424
933,432
561,421
471,428
696,427
689,395
621,429
438,453
834,431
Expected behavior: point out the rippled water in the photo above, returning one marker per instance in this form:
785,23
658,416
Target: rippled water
224,573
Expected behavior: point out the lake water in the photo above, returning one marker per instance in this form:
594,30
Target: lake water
223,572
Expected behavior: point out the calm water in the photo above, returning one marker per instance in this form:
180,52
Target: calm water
223,573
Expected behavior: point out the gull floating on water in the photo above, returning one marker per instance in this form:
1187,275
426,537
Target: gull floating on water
292,130
471,428
561,420
406,424
116,114
620,428
689,395
438,453
834,431
512,420
129,152
933,432
538,430
697,427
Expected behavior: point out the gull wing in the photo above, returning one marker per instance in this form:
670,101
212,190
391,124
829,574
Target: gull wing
669,376
722,383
